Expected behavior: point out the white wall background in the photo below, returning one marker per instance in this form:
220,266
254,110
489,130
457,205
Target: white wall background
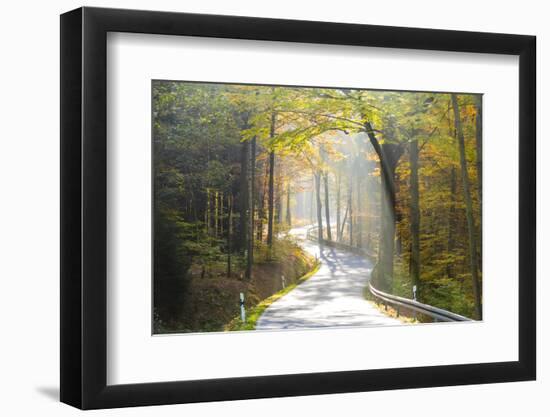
29,226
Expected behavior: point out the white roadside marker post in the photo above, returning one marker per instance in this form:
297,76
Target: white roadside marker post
283,281
243,313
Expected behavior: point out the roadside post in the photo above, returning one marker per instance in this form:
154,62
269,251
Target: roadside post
243,313
283,281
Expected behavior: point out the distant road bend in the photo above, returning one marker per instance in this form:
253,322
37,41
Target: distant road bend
330,298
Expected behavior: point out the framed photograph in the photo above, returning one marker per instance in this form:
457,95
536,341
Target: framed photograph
257,208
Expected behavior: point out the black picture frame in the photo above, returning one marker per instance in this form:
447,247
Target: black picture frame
84,207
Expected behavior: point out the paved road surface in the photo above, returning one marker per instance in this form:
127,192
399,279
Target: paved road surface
332,297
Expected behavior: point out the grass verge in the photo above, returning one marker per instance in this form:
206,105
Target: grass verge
254,313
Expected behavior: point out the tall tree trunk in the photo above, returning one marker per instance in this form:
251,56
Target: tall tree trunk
251,199
359,215
398,231
338,191
319,206
327,206
388,155
312,200
208,216
324,175
350,205
216,212
243,199
387,231
368,211
351,214
288,214
479,164
262,203
344,223
415,217
222,216
451,222
479,150
270,199
469,209
229,232
278,197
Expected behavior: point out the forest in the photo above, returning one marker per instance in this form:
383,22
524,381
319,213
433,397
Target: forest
237,167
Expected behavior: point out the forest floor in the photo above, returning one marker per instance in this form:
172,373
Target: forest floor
213,299
254,313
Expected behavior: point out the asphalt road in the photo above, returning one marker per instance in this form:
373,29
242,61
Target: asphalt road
332,297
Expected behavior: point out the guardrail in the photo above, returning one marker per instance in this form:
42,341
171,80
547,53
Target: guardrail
311,235
435,313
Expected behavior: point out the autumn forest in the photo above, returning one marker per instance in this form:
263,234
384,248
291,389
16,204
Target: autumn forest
279,194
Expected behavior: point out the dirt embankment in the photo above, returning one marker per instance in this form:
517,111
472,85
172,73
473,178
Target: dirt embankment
213,301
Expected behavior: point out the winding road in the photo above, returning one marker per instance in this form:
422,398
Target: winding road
332,297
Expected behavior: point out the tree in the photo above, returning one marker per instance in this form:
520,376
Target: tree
251,200
479,164
415,216
270,198
327,198
229,233
244,202
469,207
288,212
479,150
338,209
317,176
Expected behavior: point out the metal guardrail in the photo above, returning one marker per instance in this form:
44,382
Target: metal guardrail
436,313
313,235
309,233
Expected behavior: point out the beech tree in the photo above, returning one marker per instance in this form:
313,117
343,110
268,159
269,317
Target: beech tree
469,207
